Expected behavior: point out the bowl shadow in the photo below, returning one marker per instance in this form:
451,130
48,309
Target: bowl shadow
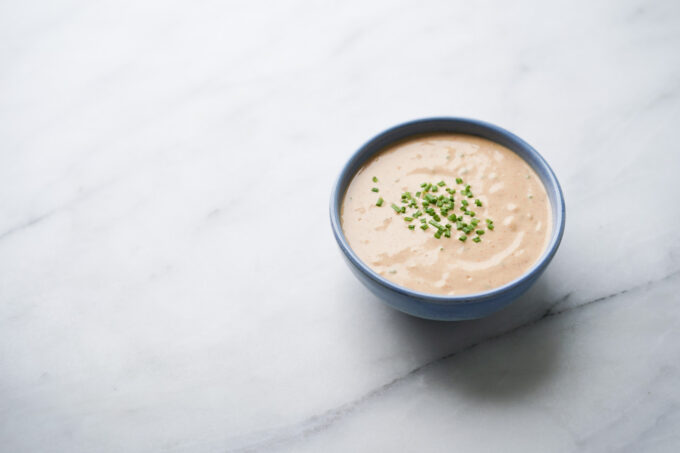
507,355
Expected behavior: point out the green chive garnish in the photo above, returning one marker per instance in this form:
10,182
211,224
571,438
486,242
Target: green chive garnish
477,239
408,219
459,180
424,227
436,225
411,227
480,232
438,234
477,202
441,183
490,226
375,189
396,208
379,202
462,238
375,179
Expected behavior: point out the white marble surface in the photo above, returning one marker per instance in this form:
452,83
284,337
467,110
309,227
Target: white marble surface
168,278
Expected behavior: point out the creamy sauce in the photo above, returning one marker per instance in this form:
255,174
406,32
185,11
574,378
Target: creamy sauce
510,191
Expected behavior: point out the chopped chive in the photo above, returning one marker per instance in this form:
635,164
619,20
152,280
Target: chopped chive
477,239
423,221
477,202
447,233
472,214
459,180
375,189
423,185
489,221
411,227
462,238
490,226
480,232
375,179
459,225
379,202
418,194
467,188
396,208
436,225
424,226
435,188
441,183
438,234
464,202
408,219
417,214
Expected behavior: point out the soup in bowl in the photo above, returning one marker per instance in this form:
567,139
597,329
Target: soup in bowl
447,218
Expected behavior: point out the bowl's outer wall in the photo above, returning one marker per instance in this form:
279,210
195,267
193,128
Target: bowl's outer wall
475,307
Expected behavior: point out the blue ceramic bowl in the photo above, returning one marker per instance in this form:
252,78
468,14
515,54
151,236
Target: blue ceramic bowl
433,306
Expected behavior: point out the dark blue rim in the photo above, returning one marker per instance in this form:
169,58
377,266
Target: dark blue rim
445,125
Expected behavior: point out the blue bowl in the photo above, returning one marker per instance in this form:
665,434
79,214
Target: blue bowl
433,306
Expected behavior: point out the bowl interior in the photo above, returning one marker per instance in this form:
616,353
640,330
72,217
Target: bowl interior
462,126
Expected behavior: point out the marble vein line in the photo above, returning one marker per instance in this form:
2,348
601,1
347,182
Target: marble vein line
48,214
277,438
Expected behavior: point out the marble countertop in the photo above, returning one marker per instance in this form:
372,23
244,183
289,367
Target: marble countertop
168,277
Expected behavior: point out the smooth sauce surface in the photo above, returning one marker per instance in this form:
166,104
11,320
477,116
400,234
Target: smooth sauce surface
511,193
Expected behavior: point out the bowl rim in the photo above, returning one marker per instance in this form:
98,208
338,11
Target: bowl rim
338,193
